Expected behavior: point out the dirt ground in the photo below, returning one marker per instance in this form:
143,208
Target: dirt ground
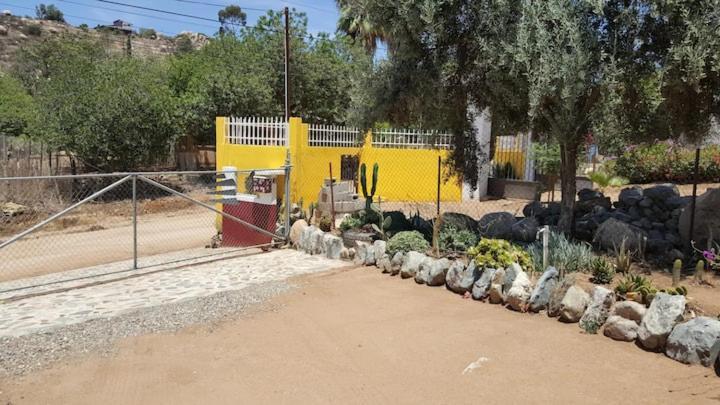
56,251
358,336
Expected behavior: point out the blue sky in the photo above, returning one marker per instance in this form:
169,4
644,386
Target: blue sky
322,14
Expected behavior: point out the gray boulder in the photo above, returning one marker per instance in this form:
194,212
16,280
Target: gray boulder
362,250
496,287
296,231
597,312
438,271
305,243
631,310
525,230
317,245
519,294
333,246
411,264
707,222
557,295
496,225
696,341
481,288
423,273
396,263
619,328
379,249
665,311
611,233
534,209
460,279
510,273
384,263
573,304
540,296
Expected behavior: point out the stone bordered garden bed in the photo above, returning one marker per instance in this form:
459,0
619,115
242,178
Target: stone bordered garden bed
664,326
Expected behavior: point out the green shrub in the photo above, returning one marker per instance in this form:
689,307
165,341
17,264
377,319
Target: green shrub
407,241
499,253
667,161
350,222
452,239
602,271
563,254
33,30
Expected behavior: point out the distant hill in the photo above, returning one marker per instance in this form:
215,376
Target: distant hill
17,32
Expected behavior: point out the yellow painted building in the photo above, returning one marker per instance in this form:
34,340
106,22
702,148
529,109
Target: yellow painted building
407,163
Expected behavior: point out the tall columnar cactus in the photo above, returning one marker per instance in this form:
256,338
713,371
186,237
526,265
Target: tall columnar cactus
700,271
363,183
677,266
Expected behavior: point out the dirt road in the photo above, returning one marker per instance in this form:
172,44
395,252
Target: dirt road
61,250
360,337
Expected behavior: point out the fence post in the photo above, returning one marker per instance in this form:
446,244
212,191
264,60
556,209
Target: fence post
288,203
134,205
696,174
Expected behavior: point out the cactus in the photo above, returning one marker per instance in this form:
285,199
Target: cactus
311,209
363,182
677,266
700,271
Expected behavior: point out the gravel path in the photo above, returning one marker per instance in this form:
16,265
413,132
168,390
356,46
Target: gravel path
28,353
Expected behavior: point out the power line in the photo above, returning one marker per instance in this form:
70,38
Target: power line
157,10
219,5
139,14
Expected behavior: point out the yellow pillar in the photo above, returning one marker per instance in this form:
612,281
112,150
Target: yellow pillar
297,138
219,160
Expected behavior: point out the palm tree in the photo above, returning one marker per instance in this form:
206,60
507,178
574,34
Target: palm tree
358,24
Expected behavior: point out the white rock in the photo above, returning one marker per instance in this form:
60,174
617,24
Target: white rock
361,252
396,263
599,308
631,310
411,264
519,294
296,231
437,273
459,278
573,304
333,246
378,249
496,287
423,273
696,341
619,328
665,311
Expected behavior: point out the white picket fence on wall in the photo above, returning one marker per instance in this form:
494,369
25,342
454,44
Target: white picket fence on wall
333,136
257,131
411,139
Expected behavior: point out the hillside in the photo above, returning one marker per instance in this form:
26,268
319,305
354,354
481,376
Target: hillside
17,32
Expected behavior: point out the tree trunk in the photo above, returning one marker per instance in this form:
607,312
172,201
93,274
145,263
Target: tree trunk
568,169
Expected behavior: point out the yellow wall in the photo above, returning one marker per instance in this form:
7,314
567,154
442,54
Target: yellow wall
404,174
516,157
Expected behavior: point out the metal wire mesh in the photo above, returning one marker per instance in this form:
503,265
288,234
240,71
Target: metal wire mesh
170,226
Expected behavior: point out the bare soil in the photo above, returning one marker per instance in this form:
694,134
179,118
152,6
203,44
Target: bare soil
359,336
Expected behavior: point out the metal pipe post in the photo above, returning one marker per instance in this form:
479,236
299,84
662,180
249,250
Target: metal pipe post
694,197
332,198
288,202
134,204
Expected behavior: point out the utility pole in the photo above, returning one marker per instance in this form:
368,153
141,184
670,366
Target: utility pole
287,65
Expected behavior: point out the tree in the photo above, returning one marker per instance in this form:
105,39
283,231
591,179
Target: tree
115,114
49,12
18,111
557,68
147,33
231,19
243,74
